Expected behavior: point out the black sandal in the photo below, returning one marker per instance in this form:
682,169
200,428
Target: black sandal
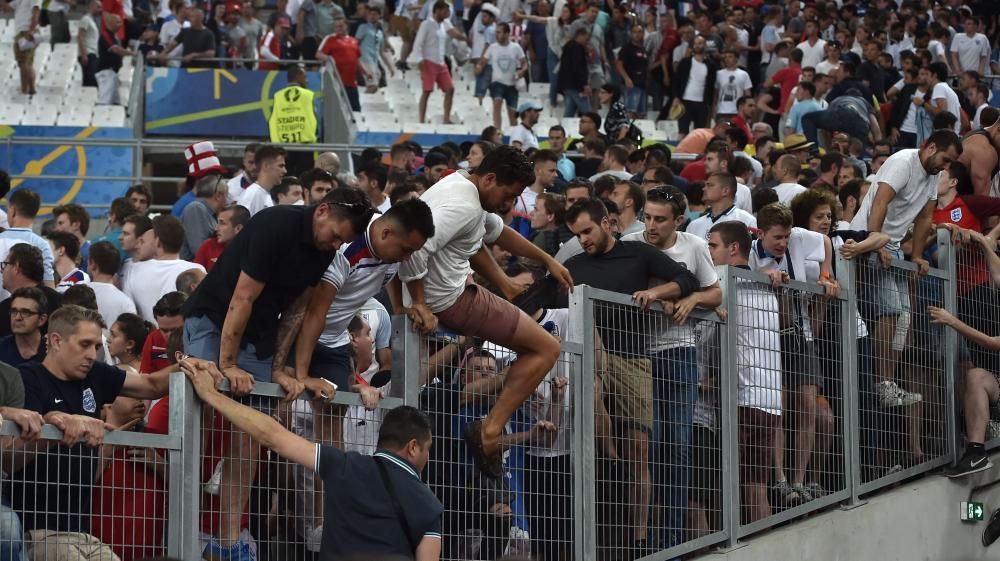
492,465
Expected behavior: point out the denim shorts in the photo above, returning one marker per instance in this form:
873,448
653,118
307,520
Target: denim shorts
891,290
504,92
483,81
333,364
202,339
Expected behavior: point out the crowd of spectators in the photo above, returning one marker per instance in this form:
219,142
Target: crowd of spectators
817,154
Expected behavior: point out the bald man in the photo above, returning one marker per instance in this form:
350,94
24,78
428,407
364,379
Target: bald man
328,162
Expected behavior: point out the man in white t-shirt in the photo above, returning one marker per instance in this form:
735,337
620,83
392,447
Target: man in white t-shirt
813,47
430,48
507,63
673,349
904,192
943,98
145,282
970,50
545,177
436,279
756,318
731,83
782,252
521,135
105,261
719,194
979,95
270,163
717,157
832,60
786,171
244,179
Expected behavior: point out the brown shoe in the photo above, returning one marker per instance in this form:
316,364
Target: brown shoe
490,465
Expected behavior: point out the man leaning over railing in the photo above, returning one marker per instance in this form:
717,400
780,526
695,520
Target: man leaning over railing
69,389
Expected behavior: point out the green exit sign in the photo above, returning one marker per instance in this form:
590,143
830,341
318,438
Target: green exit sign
973,511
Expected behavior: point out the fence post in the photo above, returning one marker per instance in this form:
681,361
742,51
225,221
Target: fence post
184,496
728,403
948,260
581,331
851,390
405,361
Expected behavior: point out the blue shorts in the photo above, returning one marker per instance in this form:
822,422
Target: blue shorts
202,339
891,295
504,92
333,364
483,81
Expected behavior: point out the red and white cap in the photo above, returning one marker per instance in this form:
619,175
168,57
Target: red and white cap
202,159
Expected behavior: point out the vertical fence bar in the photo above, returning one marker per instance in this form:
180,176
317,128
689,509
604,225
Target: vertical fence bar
846,272
184,495
948,260
405,361
581,313
728,381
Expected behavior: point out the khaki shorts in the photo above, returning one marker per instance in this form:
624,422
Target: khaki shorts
628,389
46,545
402,26
480,313
23,57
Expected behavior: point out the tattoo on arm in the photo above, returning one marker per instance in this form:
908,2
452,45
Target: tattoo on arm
288,328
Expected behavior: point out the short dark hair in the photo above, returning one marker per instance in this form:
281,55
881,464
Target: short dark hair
294,72
554,204
670,196
944,120
141,222
4,183
635,193
850,189
796,55
142,189
268,152
809,87
351,204
774,214
618,153
831,160
376,172
544,156
412,215
510,166
662,175
28,259
940,69
945,139
106,257
734,232
727,179
121,208
68,242
284,186
737,136
403,424
439,5
32,293
80,295
240,215
76,214
739,166
402,190
591,206
593,117
399,148
580,183
26,202
596,145
170,232
170,304
313,175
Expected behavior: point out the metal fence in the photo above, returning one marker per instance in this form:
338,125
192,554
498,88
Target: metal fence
648,439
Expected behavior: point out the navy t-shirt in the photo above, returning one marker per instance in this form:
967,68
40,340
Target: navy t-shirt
366,520
54,491
11,355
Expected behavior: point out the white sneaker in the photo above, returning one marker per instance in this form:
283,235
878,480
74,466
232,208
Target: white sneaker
314,538
891,395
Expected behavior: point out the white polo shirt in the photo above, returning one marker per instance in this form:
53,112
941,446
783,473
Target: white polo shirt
700,226
803,246
461,226
788,191
255,199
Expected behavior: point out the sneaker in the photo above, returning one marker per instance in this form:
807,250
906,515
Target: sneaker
970,463
402,66
239,551
314,538
803,492
815,490
788,494
214,484
891,395
992,531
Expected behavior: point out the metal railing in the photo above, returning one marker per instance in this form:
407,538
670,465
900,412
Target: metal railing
629,458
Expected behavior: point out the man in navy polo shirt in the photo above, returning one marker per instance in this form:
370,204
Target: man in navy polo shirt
368,521
69,388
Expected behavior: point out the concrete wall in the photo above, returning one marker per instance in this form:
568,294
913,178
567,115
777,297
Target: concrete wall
914,522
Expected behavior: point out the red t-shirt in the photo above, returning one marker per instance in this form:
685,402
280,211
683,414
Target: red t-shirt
969,212
346,55
695,171
209,253
787,78
154,353
118,8
740,122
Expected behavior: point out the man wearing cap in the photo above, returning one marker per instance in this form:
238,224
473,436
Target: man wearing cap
202,159
430,48
274,45
484,35
832,60
521,135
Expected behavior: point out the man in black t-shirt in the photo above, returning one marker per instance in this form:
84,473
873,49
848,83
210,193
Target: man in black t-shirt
625,369
69,388
196,41
633,66
267,271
